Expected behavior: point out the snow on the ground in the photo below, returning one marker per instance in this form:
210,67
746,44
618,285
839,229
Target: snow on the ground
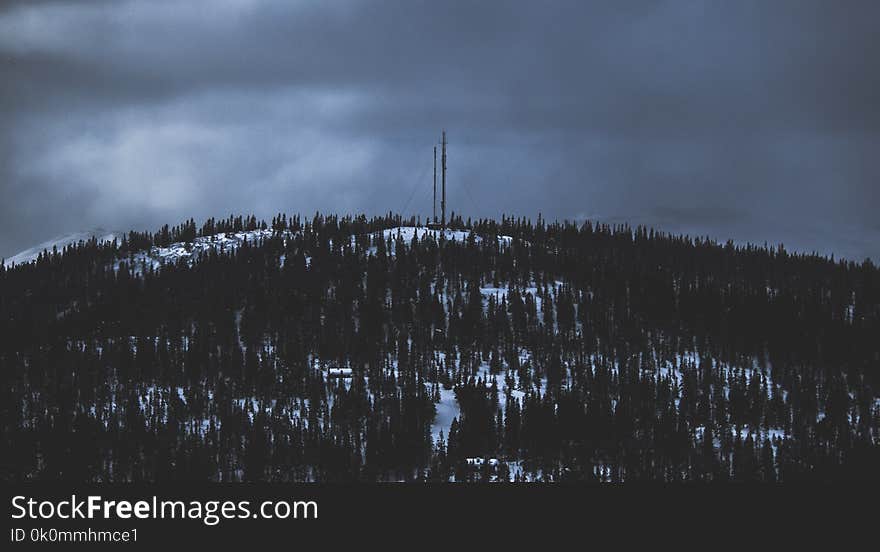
224,243
447,409
501,292
498,292
339,372
155,256
758,435
408,232
60,242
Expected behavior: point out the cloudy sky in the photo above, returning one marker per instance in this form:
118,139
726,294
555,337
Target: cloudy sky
748,120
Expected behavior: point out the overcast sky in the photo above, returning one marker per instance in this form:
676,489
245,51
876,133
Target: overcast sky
749,120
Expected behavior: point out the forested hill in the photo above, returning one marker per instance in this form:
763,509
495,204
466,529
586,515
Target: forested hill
374,349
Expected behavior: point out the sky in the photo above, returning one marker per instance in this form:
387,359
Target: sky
753,120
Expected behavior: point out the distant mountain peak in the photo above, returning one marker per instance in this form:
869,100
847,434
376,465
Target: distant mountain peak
31,254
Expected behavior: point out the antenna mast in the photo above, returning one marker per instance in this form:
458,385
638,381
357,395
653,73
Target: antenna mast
435,183
443,202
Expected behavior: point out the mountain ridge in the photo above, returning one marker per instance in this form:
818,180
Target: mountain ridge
31,254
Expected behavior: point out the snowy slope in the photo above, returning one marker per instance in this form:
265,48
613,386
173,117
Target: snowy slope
407,233
30,255
225,242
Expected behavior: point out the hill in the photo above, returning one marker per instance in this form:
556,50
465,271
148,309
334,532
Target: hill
59,243
338,349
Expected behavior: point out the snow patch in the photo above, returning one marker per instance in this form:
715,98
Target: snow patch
60,242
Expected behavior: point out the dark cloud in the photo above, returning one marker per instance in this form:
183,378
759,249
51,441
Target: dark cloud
744,120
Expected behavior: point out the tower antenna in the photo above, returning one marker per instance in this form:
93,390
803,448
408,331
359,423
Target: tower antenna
435,183
443,201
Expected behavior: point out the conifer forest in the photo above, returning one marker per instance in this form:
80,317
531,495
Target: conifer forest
342,349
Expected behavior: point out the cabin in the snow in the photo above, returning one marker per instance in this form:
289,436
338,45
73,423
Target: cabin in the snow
339,372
